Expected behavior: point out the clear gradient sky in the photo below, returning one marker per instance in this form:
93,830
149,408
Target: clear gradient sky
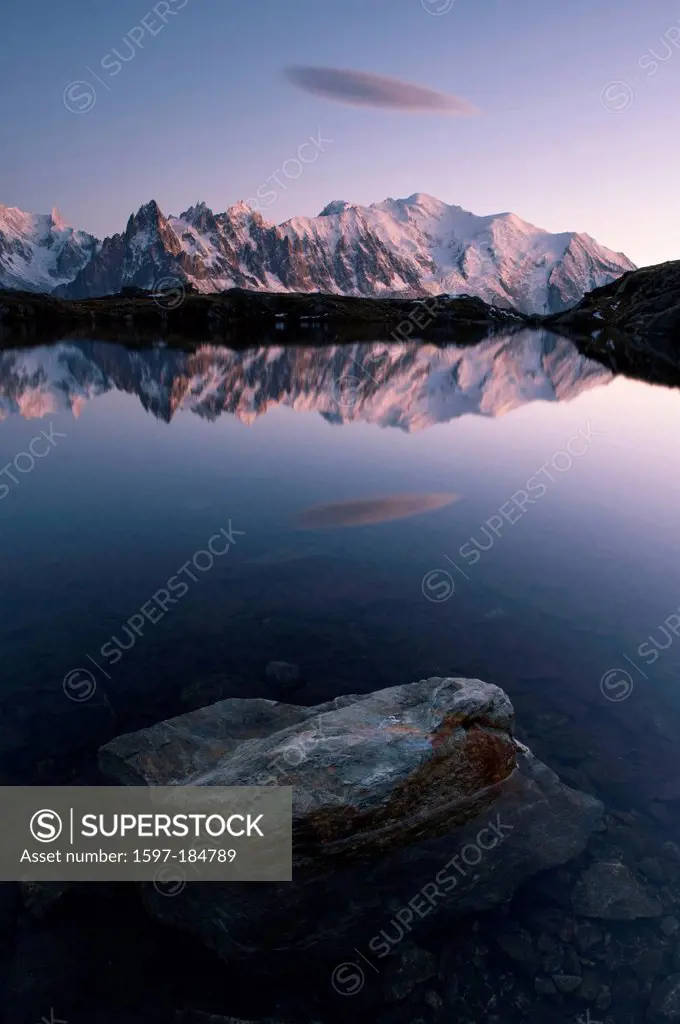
202,111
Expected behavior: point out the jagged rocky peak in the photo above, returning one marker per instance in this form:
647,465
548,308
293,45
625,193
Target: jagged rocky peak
57,221
240,209
150,239
200,216
148,216
14,219
337,206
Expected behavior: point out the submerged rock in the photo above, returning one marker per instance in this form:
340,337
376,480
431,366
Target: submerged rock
407,969
283,673
665,1003
567,982
608,890
587,935
200,1017
544,987
39,897
590,986
517,943
416,797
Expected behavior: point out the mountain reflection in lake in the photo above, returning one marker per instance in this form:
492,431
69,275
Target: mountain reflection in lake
266,441
410,386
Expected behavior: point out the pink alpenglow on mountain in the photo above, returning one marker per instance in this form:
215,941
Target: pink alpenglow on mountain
400,247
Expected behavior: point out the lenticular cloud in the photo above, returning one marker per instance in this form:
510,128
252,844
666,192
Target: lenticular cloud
359,88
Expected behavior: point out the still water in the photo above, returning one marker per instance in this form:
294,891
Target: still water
506,511
171,522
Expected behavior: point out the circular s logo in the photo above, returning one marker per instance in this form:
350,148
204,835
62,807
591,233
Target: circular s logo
170,881
79,685
79,97
347,979
168,292
437,6
617,97
438,586
46,826
616,685
347,390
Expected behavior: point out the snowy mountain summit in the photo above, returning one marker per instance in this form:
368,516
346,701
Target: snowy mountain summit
38,252
399,247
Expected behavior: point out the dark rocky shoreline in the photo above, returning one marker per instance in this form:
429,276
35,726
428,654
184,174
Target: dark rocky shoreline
642,304
136,317
631,326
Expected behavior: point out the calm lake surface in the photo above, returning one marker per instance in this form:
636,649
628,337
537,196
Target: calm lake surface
173,521
506,511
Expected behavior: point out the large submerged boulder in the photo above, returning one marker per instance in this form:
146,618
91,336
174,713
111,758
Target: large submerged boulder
610,891
414,802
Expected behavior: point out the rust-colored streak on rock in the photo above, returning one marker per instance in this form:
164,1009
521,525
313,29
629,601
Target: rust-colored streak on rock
441,738
451,723
450,788
487,759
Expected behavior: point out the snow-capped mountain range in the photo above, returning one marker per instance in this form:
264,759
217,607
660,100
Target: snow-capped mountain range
400,247
410,387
